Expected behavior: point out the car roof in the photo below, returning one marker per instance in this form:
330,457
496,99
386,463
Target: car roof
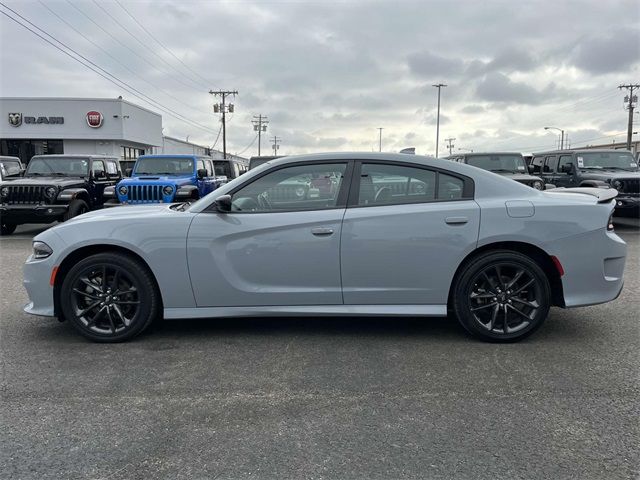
7,157
76,155
583,150
181,155
473,154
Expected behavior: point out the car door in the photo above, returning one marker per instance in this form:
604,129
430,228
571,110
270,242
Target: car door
549,169
269,249
406,230
100,180
565,179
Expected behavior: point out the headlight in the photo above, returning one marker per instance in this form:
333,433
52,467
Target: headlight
51,192
122,190
41,250
168,190
4,191
300,192
617,184
538,185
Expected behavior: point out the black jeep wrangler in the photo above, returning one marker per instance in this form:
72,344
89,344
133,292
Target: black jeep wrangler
507,164
56,187
593,168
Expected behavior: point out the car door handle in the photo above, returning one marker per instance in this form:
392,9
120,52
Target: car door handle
456,220
322,231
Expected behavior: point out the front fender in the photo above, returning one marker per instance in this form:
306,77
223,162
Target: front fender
72,193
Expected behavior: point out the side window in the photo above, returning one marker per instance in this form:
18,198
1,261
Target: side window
236,172
200,165
450,187
537,164
549,164
98,166
302,187
112,169
382,184
208,167
564,160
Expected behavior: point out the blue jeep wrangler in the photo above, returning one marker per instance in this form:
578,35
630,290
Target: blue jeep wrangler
166,179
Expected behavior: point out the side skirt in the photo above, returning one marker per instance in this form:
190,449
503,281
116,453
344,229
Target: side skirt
308,311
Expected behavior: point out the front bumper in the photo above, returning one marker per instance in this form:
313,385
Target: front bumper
36,281
627,203
20,214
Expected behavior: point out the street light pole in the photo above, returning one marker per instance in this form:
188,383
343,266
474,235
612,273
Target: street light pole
380,142
438,86
561,135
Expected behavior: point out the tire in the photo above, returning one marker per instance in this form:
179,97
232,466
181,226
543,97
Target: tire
521,298
76,207
111,311
7,228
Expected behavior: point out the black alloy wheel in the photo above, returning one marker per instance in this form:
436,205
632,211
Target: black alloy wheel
110,297
502,296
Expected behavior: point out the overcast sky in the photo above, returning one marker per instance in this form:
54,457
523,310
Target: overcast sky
329,73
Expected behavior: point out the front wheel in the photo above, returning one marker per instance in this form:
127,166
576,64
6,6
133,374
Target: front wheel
110,297
7,228
76,207
502,296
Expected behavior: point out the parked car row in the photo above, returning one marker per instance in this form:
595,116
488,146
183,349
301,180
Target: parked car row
59,187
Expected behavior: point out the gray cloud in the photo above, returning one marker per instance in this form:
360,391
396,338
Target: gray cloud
615,52
497,87
429,64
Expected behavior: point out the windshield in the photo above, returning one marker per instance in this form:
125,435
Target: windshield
63,166
164,166
498,163
9,168
611,160
222,168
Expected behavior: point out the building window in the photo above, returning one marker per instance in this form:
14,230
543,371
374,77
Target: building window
25,149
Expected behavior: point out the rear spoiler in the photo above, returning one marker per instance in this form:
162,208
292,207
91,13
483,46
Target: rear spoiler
602,194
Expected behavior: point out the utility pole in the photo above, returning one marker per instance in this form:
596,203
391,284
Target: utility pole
451,145
438,86
223,108
260,125
630,100
380,142
275,145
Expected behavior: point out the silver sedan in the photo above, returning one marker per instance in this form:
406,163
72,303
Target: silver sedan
336,234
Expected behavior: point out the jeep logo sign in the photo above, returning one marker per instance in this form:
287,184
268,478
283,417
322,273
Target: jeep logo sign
94,119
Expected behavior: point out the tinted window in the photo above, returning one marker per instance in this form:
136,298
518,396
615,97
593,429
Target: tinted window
450,187
208,167
58,166
564,160
164,166
223,168
549,164
302,187
393,184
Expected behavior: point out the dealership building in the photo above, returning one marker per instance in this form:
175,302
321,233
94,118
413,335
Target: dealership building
40,126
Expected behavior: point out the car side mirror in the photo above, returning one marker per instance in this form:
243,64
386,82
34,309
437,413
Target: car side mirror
99,174
223,203
202,173
566,168
531,168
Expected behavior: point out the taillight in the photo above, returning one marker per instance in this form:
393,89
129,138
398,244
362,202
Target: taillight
610,223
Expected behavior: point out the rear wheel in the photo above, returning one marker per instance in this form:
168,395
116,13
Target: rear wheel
76,207
7,228
502,296
109,297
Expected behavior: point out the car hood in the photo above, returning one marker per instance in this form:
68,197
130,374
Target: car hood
609,174
59,181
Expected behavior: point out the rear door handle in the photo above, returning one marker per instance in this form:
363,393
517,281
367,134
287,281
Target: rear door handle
456,220
322,231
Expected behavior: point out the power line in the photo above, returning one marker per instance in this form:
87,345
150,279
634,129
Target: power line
178,79
144,45
116,60
248,146
161,44
106,75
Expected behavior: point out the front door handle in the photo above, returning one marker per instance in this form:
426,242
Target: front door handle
322,231
456,220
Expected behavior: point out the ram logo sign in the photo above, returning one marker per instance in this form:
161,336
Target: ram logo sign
15,119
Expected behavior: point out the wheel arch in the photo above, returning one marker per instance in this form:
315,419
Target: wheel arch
76,255
538,255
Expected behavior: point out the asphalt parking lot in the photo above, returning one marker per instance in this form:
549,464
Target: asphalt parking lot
321,398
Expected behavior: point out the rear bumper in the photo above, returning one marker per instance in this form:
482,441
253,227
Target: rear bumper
20,214
594,267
